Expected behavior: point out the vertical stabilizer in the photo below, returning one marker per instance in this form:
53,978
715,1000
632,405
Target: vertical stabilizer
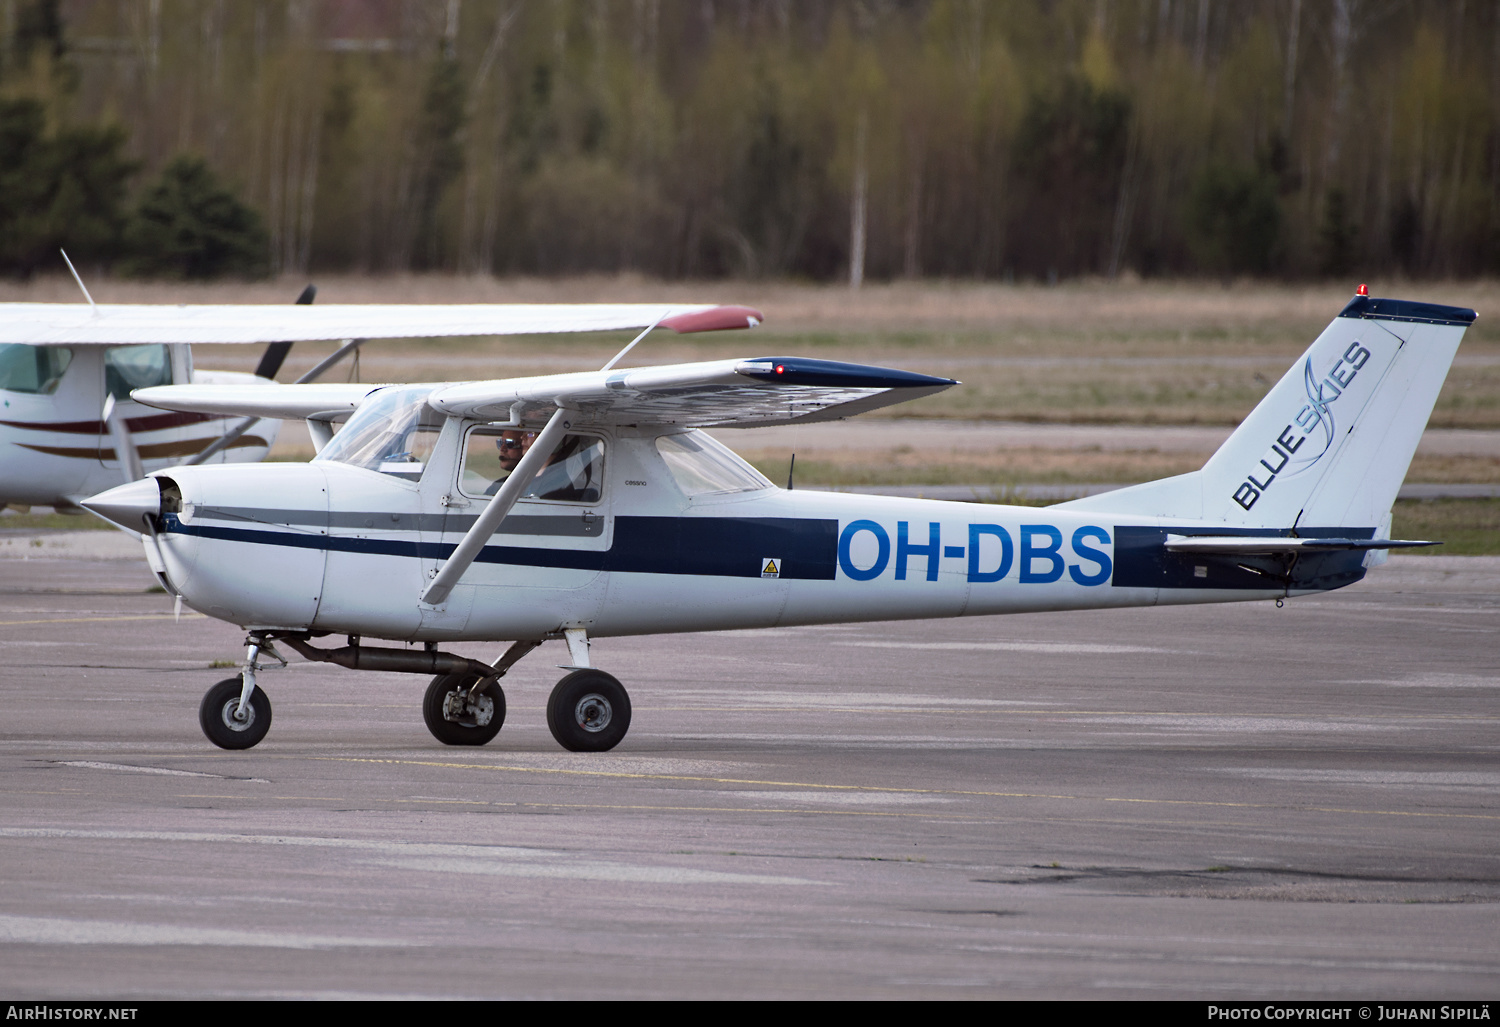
1331,442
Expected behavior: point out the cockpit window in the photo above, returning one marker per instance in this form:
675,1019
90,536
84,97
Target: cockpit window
136,367
701,465
393,432
33,369
573,474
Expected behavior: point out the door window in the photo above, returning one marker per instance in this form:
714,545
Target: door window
574,474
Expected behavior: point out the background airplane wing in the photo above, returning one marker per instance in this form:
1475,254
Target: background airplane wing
721,393
73,324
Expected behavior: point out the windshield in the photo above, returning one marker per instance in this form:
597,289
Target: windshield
392,432
33,369
702,465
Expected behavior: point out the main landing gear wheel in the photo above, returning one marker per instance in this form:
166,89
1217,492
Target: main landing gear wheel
588,712
218,715
456,719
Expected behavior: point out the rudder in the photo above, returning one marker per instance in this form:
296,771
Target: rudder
1331,442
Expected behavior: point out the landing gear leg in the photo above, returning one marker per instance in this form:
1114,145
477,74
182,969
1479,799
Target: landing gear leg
235,714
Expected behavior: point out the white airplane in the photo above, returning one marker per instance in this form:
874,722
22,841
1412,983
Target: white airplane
623,518
68,427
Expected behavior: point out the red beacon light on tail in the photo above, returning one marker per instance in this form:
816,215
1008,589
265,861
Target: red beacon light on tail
1363,290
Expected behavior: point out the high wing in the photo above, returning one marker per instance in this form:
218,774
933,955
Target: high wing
719,393
75,324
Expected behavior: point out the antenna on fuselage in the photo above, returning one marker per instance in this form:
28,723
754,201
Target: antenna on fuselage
79,280
791,469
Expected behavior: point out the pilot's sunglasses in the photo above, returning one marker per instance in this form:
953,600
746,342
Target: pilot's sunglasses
509,444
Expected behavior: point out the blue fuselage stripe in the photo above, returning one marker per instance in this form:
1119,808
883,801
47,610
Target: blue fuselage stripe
807,549
720,546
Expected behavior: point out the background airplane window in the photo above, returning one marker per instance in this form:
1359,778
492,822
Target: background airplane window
136,367
701,465
33,369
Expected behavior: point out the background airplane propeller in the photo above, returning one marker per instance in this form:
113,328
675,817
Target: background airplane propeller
271,360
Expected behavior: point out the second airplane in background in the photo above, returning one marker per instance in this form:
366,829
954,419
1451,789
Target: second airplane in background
69,427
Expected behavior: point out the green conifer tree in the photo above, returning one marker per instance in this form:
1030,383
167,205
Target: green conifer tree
187,225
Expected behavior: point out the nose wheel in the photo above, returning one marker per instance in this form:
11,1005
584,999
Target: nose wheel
588,711
226,724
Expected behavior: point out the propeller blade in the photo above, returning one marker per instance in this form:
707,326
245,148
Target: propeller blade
270,361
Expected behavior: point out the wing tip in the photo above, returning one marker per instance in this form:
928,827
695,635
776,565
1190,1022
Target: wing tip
714,319
810,371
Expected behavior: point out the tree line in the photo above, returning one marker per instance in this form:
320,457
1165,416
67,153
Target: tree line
822,139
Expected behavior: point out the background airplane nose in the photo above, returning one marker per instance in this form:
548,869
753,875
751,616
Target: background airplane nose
127,505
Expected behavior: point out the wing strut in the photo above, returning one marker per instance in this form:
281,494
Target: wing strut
489,522
621,355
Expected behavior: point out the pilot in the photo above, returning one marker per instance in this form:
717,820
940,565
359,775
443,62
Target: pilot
513,445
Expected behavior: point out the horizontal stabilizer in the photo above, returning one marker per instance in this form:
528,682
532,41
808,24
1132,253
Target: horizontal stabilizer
1239,545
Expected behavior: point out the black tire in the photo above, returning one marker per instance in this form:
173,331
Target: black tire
588,712
216,716
474,726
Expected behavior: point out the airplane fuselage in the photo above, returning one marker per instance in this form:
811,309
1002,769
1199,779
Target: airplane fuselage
328,547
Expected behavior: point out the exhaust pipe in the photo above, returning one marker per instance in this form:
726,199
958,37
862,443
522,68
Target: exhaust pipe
406,661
